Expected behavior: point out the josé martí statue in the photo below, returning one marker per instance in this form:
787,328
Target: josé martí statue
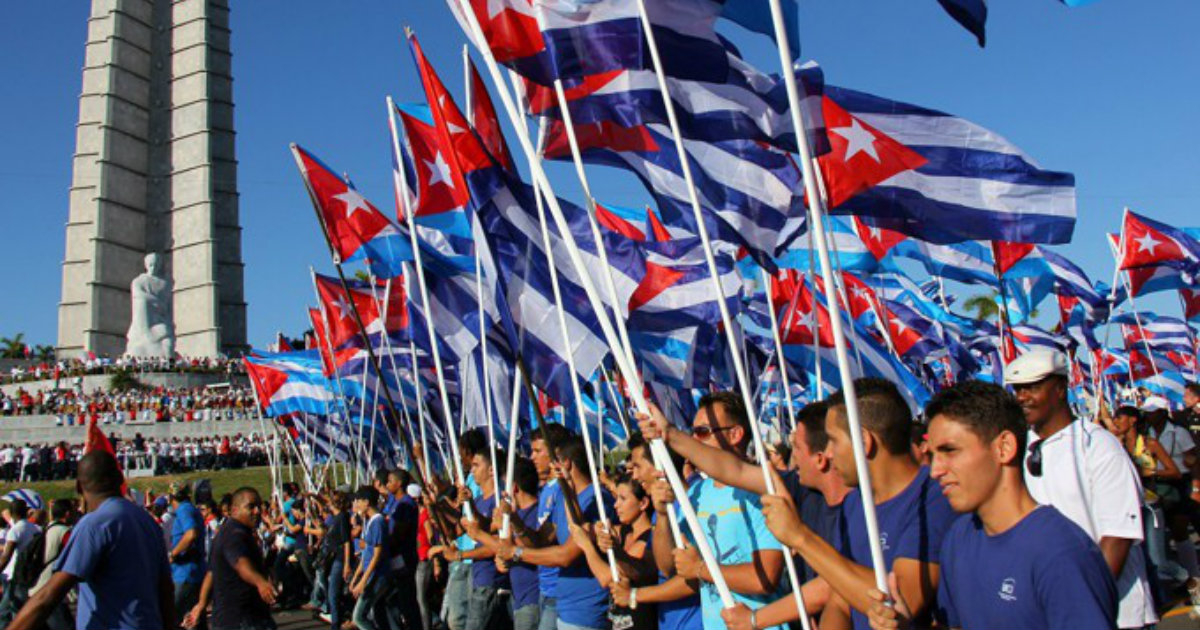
151,331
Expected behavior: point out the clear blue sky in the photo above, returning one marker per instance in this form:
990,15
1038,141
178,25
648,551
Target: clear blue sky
1109,91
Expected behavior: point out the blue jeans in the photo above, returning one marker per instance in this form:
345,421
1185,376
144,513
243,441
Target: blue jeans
320,581
458,592
484,607
366,610
333,595
14,598
526,617
548,616
424,580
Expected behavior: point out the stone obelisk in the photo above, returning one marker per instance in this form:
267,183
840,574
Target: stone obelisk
155,172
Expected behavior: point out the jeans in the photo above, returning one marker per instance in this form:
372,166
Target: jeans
526,617
424,579
187,594
485,608
333,594
15,596
548,615
458,591
403,609
366,610
320,581
562,625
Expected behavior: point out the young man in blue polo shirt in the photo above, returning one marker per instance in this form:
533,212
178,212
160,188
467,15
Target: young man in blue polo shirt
581,603
913,515
1006,562
187,551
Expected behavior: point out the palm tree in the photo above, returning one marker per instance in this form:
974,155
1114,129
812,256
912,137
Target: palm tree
13,347
43,352
983,306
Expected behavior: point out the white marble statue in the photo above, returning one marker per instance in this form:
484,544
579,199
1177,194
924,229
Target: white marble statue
151,328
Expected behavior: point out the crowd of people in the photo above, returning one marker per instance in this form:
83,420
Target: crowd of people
98,365
52,462
157,404
997,509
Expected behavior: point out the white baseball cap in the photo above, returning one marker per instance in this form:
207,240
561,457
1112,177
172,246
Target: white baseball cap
1034,366
1156,403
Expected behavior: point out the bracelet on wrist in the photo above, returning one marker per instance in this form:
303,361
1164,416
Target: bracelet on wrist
633,599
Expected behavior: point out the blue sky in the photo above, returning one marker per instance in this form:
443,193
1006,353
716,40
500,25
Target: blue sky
1108,91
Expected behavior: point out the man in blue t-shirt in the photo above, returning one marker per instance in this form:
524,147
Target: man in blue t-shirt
1006,562
116,555
371,583
912,515
581,603
187,551
486,603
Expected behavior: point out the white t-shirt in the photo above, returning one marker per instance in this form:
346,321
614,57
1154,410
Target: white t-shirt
1088,476
21,534
1175,441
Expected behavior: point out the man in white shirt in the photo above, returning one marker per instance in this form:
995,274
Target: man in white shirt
1083,471
19,536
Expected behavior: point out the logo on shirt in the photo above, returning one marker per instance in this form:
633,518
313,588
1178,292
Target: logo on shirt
1008,590
883,543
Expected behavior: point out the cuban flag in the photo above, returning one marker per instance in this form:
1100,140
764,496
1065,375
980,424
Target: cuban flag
1028,337
848,251
1145,242
974,185
356,229
381,306
969,262
752,194
1154,331
1191,304
289,382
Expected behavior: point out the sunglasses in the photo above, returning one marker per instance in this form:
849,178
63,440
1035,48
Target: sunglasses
1033,463
703,432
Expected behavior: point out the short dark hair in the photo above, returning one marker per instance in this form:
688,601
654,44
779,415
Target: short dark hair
60,509
551,433
368,494
1193,387
18,508
381,476
525,476
734,407
400,475
243,494
473,442
573,450
98,473
812,418
984,408
882,410
1128,410
638,441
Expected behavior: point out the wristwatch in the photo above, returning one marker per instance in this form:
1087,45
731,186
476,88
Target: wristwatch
633,599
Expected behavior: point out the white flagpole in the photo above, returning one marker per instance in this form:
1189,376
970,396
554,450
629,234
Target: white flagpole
539,176
839,338
569,356
416,376
730,332
401,188
787,391
509,472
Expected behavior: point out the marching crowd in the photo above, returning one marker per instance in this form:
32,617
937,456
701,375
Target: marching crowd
50,462
998,510
158,404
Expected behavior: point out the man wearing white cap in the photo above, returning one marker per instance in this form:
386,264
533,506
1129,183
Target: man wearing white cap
1175,495
1083,471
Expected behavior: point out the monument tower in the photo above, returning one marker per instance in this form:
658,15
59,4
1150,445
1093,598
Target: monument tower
154,173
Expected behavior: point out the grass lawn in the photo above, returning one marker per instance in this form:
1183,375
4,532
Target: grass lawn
222,481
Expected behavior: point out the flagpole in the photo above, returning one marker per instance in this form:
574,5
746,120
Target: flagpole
839,339
401,187
385,305
337,263
514,413
416,377
258,408
539,176
569,355
337,377
730,333
787,391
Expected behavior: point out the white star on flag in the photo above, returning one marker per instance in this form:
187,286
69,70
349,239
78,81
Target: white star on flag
343,308
899,325
1147,243
354,201
859,140
496,7
439,171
